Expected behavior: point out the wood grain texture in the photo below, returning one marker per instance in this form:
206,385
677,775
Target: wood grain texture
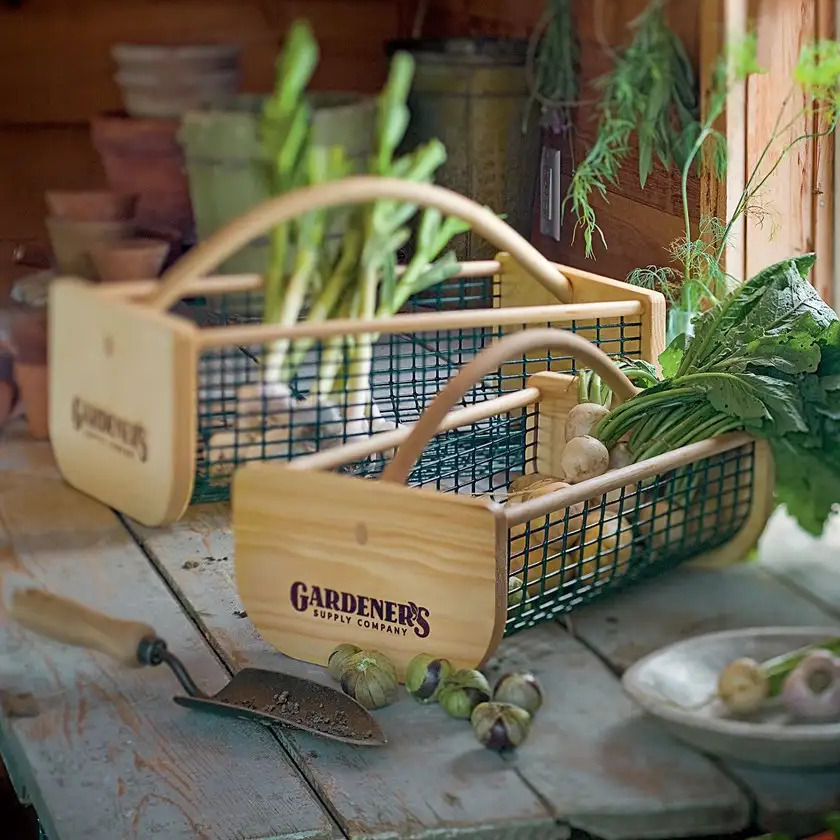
432,780
40,41
109,754
690,602
637,235
722,22
35,159
123,403
598,762
410,570
780,224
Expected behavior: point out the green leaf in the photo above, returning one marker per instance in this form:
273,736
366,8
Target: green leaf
733,396
671,356
807,482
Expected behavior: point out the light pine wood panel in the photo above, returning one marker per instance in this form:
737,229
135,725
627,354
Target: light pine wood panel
55,64
109,754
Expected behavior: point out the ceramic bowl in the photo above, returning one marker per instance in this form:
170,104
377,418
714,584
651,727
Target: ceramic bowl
129,259
673,685
91,205
72,241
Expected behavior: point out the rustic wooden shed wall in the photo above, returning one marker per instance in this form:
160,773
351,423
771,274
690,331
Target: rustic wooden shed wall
56,72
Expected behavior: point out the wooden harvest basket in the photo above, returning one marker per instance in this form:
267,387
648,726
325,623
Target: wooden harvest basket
156,406
323,558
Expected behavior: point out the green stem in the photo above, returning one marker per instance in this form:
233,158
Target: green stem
622,419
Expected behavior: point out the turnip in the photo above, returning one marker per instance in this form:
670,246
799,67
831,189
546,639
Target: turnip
545,538
582,418
812,690
620,457
605,548
744,684
583,458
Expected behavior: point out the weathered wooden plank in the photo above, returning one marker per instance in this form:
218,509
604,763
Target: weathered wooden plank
600,764
690,602
809,565
432,780
196,555
109,754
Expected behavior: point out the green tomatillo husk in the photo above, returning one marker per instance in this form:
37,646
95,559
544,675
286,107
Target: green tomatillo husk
338,660
370,678
462,692
500,726
425,676
522,689
516,591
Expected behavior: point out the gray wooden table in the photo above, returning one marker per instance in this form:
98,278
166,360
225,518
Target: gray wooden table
108,755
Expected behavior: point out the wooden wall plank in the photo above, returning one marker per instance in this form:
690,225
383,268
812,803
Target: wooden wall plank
109,754
35,159
638,224
55,64
823,204
781,223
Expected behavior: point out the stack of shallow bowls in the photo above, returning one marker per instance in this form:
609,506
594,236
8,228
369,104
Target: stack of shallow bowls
80,219
168,80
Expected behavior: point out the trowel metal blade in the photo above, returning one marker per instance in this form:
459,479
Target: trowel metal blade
274,698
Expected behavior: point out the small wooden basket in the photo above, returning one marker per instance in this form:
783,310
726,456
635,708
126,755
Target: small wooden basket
153,403
323,558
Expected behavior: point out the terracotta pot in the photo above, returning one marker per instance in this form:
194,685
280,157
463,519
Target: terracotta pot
72,242
129,259
30,347
143,156
91,205
171,59
158,95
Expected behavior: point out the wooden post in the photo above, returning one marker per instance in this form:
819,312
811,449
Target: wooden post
794,211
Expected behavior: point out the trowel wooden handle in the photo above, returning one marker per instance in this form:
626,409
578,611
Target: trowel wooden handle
73,623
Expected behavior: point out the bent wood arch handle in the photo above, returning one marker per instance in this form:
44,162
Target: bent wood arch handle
72,623
493,356
356,189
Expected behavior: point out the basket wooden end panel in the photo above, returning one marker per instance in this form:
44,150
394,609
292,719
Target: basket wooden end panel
514,287
122,402
761,508
323,559
558,395
593,288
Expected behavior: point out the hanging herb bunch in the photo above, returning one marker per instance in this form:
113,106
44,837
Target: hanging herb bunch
651,93
553,65
696,280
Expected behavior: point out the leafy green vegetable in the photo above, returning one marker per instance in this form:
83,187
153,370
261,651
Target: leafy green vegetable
765,359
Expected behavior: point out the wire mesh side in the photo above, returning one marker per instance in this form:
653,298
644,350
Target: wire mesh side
242,420
577,554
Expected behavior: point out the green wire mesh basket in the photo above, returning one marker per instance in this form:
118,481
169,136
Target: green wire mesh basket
415,355
496,541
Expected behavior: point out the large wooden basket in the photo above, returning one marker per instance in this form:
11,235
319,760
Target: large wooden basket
404,565
153,399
